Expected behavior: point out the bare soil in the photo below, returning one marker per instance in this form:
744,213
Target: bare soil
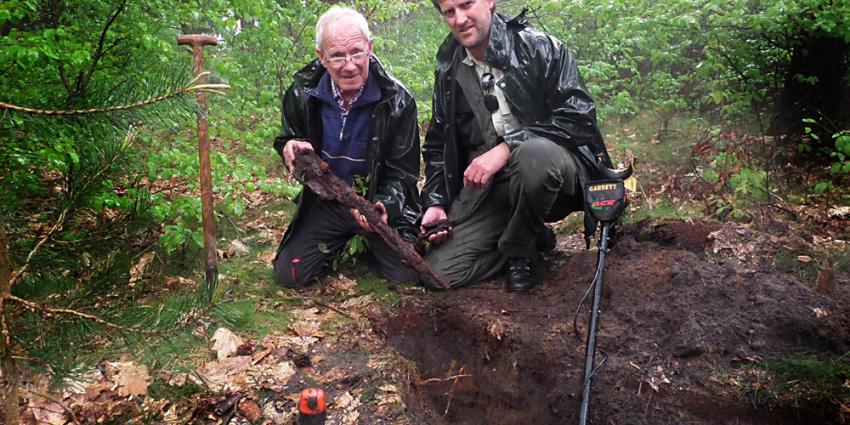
677,316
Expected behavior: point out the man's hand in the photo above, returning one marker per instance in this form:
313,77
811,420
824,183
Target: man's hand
361,219
289,150
481,169
433,216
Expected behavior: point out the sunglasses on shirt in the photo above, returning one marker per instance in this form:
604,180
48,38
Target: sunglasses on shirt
488,82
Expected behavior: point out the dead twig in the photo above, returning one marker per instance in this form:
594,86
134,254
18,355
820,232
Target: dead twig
646,411
328,306
59,222
446,379
190,88
643,378
451,393
49,311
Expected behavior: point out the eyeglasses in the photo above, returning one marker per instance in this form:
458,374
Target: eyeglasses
488,81
339,61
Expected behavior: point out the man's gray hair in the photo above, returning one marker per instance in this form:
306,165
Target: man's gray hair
330,19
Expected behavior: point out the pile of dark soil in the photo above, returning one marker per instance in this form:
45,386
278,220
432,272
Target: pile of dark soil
674,321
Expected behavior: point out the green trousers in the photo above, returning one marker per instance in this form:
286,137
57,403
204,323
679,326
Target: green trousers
540,184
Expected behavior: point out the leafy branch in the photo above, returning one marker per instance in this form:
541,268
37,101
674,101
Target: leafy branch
190,88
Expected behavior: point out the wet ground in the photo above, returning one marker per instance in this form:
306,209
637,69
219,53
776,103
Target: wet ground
681,308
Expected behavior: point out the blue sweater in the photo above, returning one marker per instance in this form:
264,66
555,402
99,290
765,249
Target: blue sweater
344,149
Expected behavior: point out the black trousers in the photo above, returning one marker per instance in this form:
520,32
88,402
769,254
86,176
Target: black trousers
324,227
542,186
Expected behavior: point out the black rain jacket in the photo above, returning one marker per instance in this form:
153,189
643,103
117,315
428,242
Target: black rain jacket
392,154
542,85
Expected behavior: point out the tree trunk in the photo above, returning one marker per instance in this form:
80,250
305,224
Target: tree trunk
10,373
827,100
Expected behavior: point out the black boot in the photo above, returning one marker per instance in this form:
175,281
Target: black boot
522,274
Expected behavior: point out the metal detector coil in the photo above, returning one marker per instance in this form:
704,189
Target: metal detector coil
606,199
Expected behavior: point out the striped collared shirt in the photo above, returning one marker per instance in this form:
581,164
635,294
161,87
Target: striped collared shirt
343,108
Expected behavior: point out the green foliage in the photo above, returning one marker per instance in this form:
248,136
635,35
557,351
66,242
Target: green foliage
361,184
749,184
806,382
746,186
822,141
407,45
355,246
118,183
237,315
841,153
662,208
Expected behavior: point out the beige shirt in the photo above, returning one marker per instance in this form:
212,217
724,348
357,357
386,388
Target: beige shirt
503,120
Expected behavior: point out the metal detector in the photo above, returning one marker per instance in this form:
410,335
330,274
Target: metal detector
605,200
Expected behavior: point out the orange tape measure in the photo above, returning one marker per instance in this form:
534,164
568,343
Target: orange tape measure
311,407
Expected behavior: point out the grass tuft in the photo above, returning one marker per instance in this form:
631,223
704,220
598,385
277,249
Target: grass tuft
808,383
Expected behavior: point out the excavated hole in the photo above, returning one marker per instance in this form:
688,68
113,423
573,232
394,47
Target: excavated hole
505,384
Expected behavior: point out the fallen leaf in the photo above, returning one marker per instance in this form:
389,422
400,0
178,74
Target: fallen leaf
278,414
805,259
267,257
839,212
131,378
819,312
335,374
225,343
357,303
226,373
390,395
658,377
345,407
496,330
177,282
46,412
250,410
350,418
298,344
306,322
391,398
274,374
307,328
341,285
345,401
138,269
236,248
94,391
178,380
385,363
306,314
260,355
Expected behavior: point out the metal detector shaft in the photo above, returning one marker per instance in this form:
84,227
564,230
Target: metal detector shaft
594,324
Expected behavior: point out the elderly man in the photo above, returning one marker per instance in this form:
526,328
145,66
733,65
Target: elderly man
362,122
502,153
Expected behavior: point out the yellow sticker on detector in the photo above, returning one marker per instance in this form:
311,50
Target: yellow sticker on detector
631,183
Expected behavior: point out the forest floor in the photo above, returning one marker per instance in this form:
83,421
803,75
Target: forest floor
698,319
